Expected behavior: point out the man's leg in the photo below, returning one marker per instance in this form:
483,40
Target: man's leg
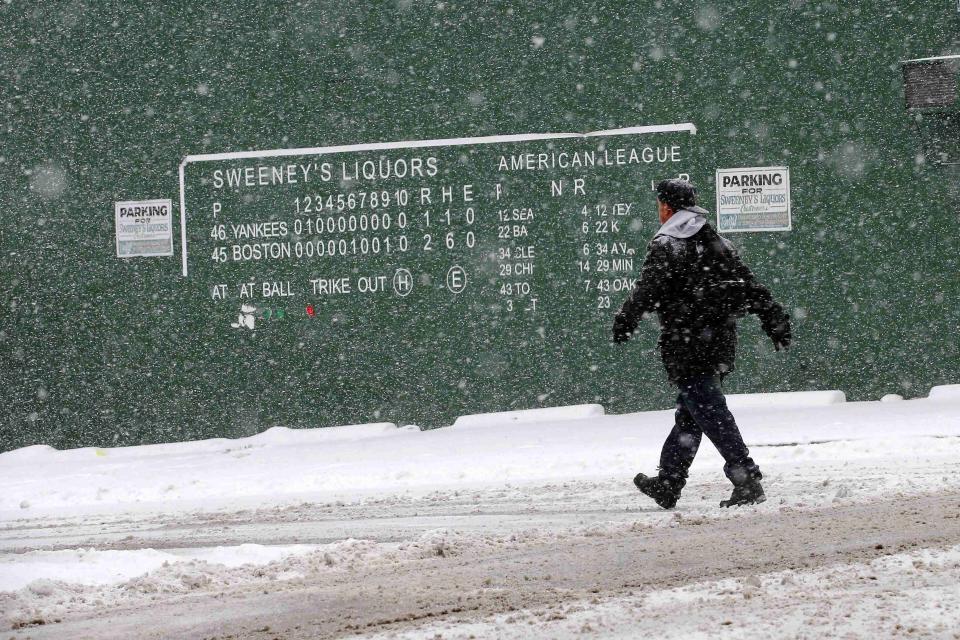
703,398
679,450
680,447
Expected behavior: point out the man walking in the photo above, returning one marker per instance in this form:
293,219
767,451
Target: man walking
698,286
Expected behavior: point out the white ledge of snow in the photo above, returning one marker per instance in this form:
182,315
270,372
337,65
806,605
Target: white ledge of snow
531,416
786,399
286,435
945,392
276,436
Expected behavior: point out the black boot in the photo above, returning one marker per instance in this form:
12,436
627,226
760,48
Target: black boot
749,492
664,491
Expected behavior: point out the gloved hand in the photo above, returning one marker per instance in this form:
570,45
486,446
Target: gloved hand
778,328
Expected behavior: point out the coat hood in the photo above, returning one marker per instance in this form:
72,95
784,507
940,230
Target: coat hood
684,223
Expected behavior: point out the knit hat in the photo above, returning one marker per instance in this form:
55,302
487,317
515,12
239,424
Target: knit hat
677,194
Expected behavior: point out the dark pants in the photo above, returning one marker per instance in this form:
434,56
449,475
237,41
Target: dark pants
702,409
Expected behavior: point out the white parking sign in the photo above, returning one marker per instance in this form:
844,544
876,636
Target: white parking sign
144,228
753,199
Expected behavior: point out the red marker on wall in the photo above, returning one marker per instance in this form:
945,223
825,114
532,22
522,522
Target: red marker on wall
310,310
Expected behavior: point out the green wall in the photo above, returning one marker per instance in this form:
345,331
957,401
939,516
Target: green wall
99,102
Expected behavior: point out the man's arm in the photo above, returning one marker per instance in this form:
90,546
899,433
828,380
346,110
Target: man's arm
647,291
774,321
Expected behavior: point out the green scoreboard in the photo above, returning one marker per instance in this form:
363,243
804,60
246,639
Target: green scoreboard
217,217
416,281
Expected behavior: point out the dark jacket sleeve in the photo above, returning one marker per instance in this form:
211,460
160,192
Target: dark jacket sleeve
647,292
760,301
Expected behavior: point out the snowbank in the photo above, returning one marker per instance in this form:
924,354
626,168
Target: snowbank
528,416
947,392
284,466
784,400
95,567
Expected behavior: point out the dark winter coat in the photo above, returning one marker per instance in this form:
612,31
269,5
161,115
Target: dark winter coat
698,286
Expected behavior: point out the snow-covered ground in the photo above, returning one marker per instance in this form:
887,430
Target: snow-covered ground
910,595
93,539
